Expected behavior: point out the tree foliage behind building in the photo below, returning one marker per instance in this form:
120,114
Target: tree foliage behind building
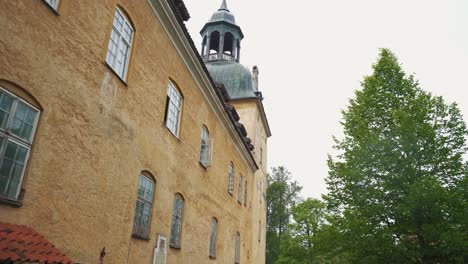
397,185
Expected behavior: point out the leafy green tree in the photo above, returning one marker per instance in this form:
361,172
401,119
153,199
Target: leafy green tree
282,195
298,247
397,186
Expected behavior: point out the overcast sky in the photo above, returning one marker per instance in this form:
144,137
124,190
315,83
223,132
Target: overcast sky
313,54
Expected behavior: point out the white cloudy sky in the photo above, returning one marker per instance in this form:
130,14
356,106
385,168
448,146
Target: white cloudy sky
312,55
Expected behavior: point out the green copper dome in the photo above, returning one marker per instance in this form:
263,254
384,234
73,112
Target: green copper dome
236,78
223,15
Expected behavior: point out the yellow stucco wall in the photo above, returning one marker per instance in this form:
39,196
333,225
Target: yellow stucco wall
96,134
251,117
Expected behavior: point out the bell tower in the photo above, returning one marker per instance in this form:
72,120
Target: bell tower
221,37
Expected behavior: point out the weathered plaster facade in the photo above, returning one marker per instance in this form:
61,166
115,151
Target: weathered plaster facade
97,133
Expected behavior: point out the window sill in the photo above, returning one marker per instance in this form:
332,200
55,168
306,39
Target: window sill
136,236
212,257
51,8
175,137
10,202
116,75
203,165
175,247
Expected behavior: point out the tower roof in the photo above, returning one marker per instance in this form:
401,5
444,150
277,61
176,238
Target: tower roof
224,6
236,78
222,16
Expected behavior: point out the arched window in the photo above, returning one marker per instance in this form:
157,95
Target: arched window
228,46
205,148
144,205
214,42
239,190
176,226
214,225
245,194
237,248
18,122
259,231
231,178
173,109
120,44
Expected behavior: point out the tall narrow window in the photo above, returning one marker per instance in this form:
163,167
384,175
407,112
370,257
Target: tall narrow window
231,178
18,121
176,226
206,148
144,205
173,109
53,3
237,248
239,191
120,44
214,225
245,194
259,231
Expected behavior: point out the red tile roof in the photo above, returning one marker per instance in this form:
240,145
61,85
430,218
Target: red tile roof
24,245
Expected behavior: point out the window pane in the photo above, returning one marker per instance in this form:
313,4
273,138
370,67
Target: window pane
174,107
144,205
119,44
176,221
11,169
6,102
23,121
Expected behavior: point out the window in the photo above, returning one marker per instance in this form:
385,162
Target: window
259,189
176,221
120,43
206,148
239,194
18,121
259,231
237,248
144,205
231,178
214,224
245,194
53,3
173,109
160,252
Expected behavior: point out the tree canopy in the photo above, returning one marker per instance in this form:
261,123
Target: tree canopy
398,185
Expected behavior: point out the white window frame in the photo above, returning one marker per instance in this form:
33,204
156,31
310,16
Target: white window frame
231,179
53,3
239,191
173,109
237,248
160,253
112,58
245,193
213,233
259,231
177,222
11,137
206,148
137,227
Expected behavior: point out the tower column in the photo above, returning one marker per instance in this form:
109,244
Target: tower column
208,45
221,45
233,51
238,52
203,49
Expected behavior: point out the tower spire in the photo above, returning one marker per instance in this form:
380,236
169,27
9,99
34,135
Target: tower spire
224,6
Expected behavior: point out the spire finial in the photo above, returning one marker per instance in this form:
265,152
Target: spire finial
224,6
